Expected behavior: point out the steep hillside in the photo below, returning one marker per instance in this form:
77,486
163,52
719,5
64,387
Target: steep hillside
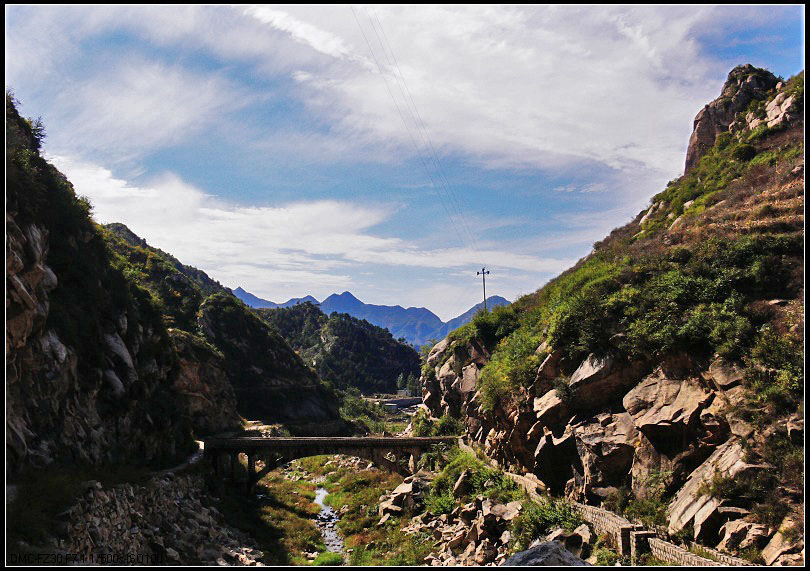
344,350
662,376
270,379
206,284
493,301
230,361
89,366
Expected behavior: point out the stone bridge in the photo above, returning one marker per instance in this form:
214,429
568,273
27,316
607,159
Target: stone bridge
396,454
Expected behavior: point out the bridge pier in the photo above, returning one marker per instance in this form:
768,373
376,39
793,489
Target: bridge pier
233,459
415,453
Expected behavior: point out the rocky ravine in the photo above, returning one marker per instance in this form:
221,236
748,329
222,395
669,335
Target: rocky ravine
664,426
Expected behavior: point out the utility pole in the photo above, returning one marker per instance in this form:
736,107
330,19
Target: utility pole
483,273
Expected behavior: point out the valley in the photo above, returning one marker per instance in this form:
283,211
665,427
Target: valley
644,407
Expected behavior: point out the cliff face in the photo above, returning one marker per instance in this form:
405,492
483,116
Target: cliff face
662,375
231,364
745,88
89,367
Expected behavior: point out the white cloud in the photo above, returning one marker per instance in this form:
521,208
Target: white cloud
306,33
272,250
139,108
508,86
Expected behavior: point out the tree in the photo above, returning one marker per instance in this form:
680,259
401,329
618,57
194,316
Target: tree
413,385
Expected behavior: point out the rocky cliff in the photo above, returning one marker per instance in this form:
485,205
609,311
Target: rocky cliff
230,363
748,99
89,365
662,375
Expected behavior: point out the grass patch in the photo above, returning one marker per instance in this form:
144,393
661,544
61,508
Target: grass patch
281,522
483,480
538,519
328,558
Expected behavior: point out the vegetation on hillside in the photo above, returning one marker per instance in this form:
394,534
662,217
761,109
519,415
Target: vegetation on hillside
714,267
640,296
91,282
346,351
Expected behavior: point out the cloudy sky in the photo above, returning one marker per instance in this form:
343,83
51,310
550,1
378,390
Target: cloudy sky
389,151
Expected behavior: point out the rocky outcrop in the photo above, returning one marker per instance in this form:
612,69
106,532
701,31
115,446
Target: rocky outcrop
600,380
740,534
450,386
202,382
786,547
605,447
551,553
667,404
744,84
407,497
89,366
693,504
472,534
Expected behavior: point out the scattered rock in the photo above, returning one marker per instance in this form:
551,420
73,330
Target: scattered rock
739,534
551,553
781,546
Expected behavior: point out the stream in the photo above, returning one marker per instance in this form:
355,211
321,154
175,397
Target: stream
327,522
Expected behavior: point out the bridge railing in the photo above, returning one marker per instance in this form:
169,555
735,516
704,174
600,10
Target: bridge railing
251,442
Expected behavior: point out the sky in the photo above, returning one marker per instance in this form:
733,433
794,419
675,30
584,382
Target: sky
391,151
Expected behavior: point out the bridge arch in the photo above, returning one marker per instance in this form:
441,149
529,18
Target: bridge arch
395,454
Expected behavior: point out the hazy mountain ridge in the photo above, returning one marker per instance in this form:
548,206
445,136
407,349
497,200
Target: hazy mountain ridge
417,325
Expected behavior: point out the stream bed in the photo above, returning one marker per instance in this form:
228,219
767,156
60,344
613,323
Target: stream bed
327,522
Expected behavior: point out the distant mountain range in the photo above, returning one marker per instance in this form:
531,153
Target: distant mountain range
259,303
417,325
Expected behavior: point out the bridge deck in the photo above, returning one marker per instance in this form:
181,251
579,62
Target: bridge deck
336,442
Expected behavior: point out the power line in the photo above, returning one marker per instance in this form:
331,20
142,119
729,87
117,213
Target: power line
443,186
421,125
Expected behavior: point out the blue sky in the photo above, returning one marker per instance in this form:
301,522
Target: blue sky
389,151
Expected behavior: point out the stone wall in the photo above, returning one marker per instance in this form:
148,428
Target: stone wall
724,558
671,553
605,522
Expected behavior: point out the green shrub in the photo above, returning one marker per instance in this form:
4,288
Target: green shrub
440,502
744,152
447,425
606,556
538,519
